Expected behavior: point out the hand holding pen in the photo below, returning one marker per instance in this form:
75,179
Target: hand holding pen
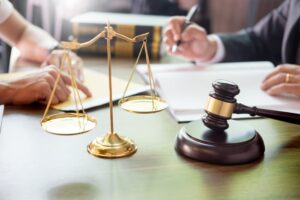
186,39
190,18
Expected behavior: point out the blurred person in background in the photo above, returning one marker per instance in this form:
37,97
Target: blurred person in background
275,38
36,45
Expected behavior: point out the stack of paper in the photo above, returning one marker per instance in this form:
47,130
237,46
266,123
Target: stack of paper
186,87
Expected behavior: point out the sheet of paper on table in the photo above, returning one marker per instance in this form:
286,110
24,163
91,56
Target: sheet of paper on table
185,87
98,84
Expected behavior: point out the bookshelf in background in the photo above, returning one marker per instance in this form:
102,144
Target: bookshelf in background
88,25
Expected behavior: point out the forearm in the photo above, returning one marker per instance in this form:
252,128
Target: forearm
211,49
215,52
32,41
6,92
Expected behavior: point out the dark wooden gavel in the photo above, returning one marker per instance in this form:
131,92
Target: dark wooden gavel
222,103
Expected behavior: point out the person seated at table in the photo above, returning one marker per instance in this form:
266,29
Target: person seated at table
275,38
34,44
171,8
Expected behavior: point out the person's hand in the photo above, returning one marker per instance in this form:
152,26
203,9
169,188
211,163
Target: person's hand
284,79
195,44
37,87
55,58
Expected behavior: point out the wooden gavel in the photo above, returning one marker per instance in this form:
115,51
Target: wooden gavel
221,104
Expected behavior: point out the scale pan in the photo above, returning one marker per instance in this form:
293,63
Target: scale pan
68,123
143,104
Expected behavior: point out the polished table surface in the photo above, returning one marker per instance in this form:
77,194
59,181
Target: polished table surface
36,165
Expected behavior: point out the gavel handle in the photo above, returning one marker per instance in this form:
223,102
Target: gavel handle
282,116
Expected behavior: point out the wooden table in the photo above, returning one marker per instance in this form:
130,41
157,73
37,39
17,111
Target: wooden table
36,165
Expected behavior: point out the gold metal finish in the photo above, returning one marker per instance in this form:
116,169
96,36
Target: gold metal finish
287,77
109,37
75,45
112,146
220,108
68,123
143,104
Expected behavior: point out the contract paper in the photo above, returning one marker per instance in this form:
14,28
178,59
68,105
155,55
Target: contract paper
186,87
98,84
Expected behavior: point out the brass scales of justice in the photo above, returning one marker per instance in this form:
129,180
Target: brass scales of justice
111,145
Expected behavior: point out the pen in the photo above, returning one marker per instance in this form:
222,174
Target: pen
190,18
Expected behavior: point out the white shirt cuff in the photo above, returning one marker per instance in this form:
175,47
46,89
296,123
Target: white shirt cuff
6,9
220,53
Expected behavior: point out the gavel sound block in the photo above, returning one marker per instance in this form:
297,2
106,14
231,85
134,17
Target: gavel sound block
213,139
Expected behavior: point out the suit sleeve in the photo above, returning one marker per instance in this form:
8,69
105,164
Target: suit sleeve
261,42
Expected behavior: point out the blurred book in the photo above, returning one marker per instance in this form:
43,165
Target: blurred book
88,25
186,87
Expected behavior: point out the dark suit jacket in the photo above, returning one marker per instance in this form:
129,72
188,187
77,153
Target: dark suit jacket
274,38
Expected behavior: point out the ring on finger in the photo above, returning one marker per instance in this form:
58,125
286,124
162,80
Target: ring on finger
287,77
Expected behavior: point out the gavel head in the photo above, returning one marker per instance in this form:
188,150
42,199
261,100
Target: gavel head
220,105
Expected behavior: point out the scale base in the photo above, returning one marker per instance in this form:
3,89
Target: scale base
112,146
238,144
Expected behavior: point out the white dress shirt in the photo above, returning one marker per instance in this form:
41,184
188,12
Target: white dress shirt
6,9
220,53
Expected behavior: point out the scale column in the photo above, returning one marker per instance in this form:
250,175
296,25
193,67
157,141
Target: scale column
111,113
111,145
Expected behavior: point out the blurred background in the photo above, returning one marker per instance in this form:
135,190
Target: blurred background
225,15
217,16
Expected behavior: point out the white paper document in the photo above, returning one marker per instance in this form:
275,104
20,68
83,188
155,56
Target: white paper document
186,88
98,84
